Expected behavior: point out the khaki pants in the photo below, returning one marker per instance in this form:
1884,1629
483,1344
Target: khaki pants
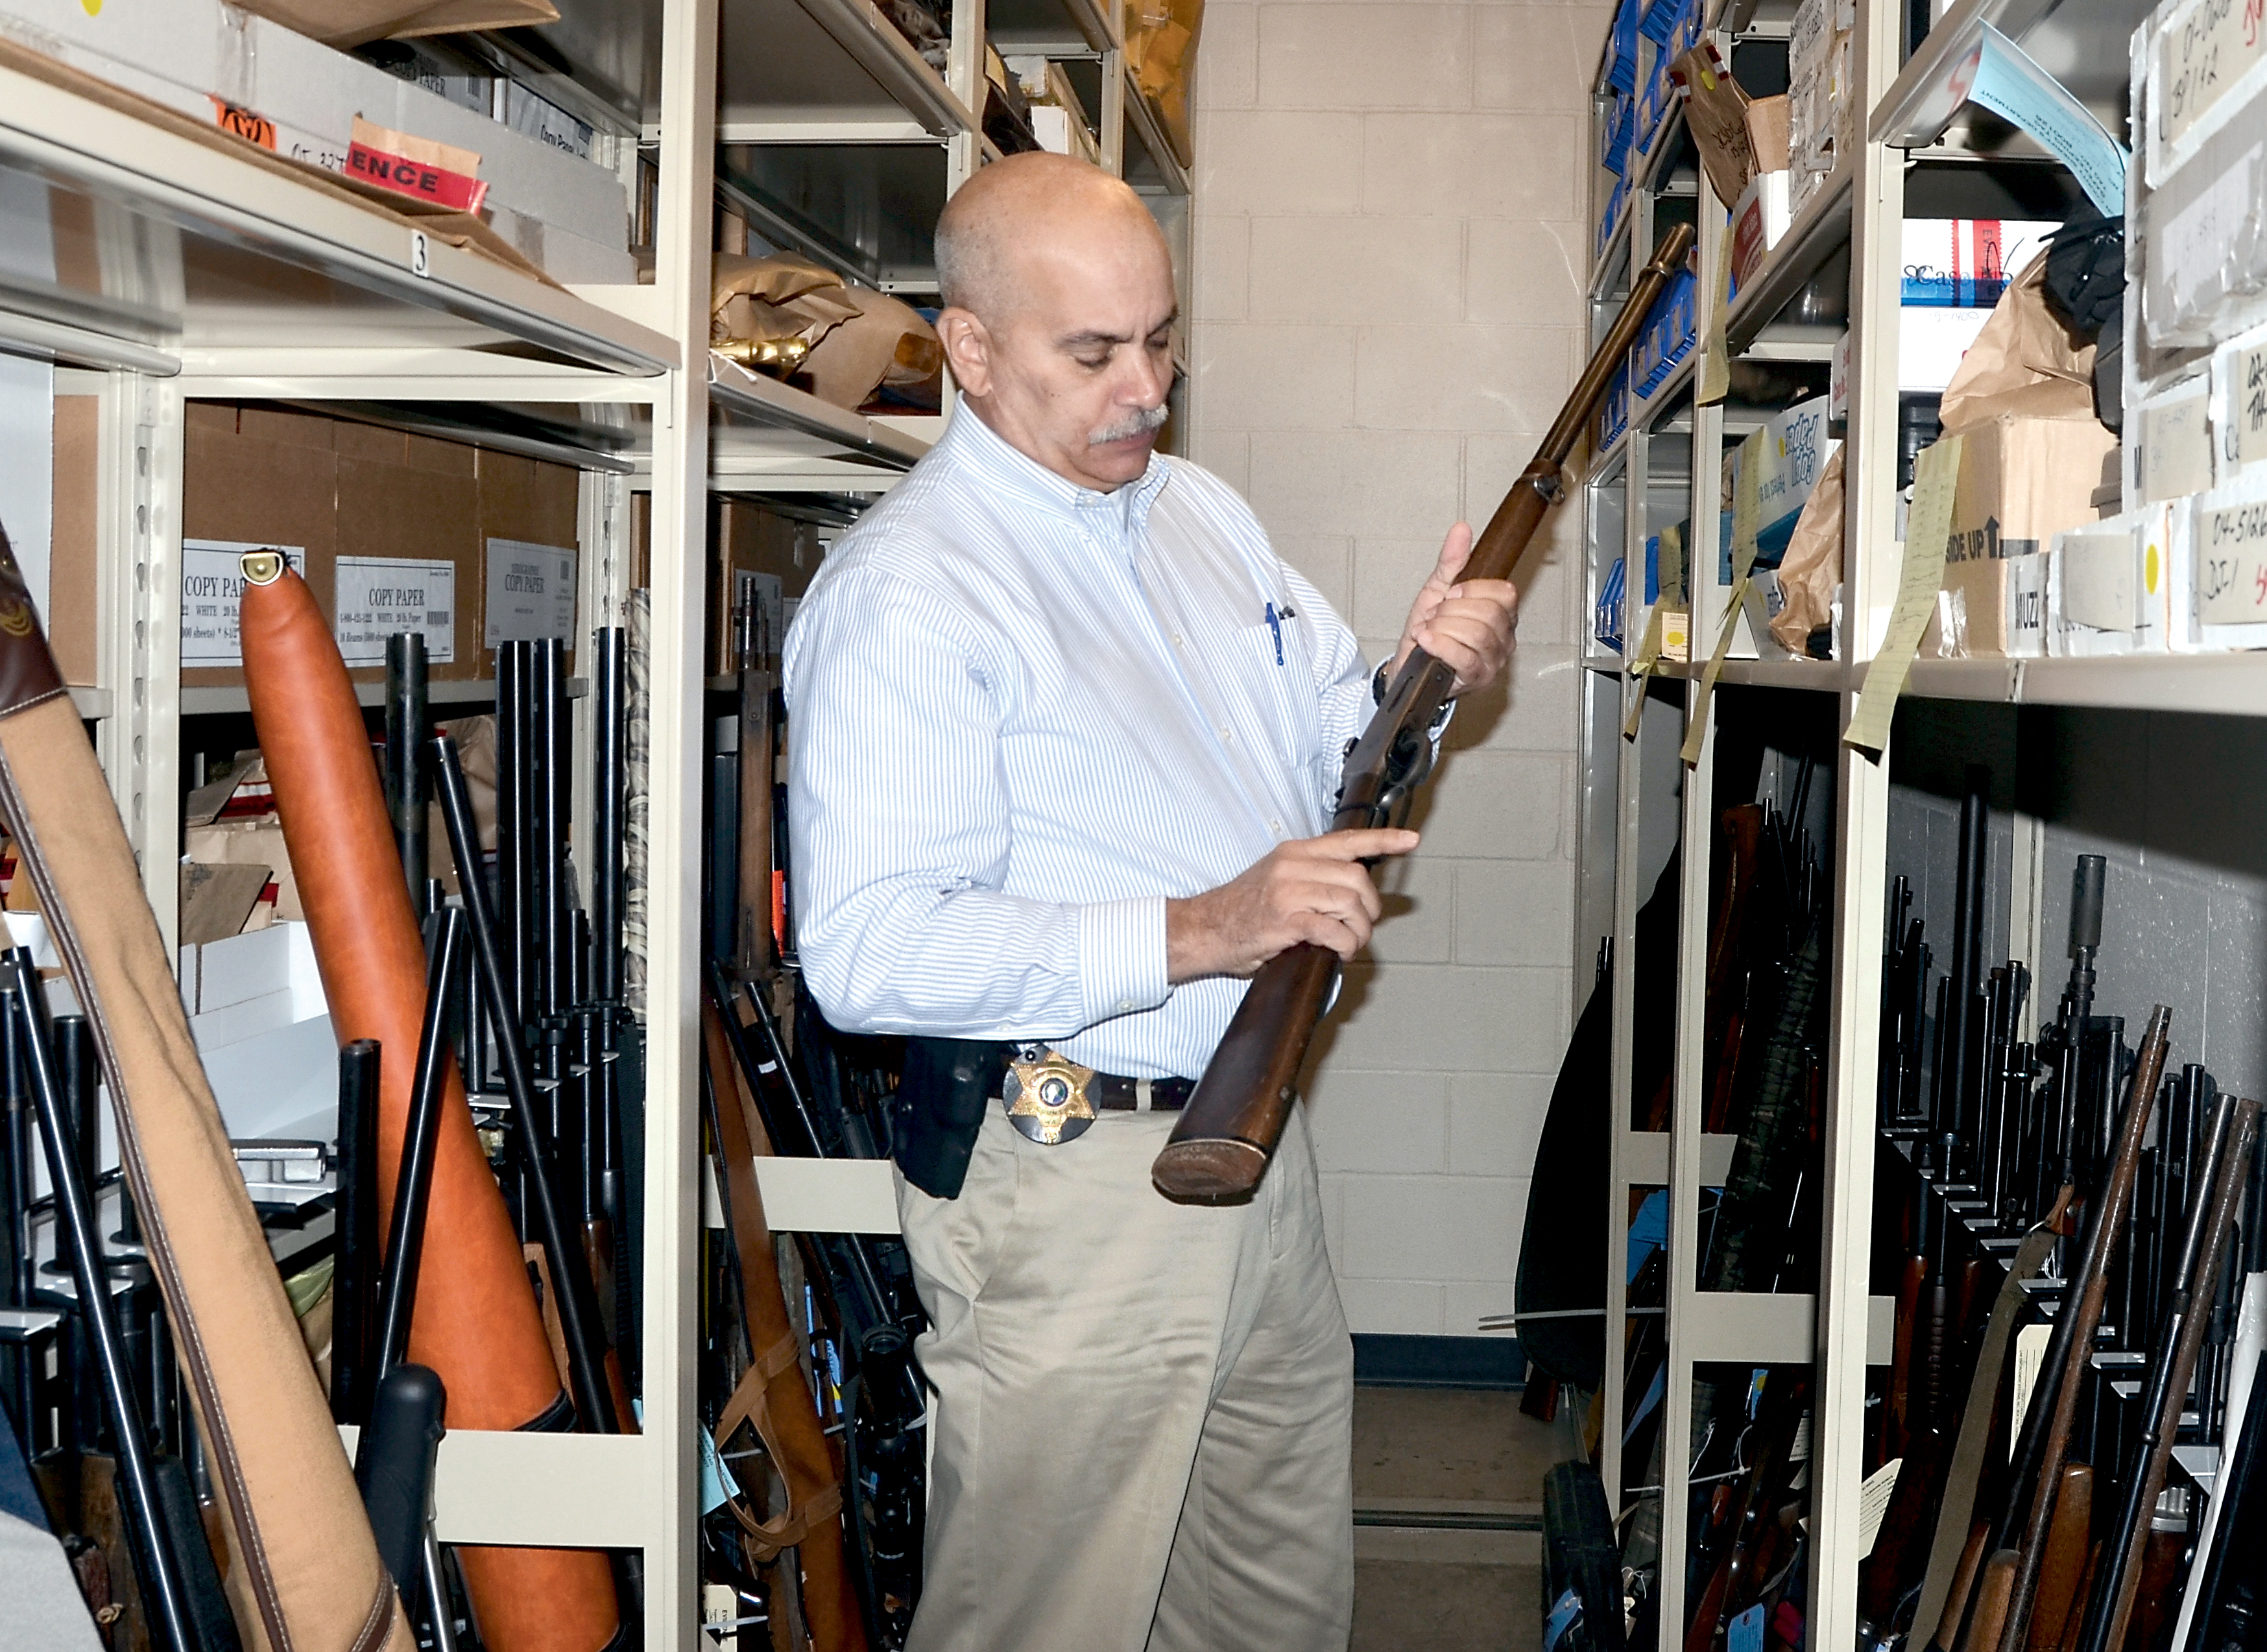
1144,1410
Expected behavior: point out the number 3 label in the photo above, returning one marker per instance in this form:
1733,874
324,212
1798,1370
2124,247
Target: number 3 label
420,255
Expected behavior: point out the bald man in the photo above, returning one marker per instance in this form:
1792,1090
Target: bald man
1066,735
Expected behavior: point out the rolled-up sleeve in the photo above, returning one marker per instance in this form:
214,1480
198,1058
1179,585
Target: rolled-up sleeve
900,829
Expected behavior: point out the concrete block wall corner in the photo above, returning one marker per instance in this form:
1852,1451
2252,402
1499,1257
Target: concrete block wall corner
1388,259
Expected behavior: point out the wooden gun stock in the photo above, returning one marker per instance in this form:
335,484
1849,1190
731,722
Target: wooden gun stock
1220,1149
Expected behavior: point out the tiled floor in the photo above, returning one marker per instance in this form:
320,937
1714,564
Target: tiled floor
1424,1458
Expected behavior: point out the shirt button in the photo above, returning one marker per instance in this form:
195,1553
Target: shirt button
1228,737
1277,826
1125,1004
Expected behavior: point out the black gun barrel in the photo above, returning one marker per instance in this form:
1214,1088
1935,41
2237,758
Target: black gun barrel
412,1186
1963,1037
572,1289
553,897
405,737
513,839
354,1288
163,1589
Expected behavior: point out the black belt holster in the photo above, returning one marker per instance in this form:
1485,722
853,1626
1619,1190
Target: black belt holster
942,1094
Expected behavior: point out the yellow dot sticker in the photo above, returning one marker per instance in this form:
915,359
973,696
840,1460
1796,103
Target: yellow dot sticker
93,8
2149,568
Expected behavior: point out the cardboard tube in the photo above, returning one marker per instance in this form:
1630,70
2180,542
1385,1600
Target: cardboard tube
476,1322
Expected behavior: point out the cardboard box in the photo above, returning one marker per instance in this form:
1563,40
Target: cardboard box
1790,452
1952,263
746,538
1757,221
2170,453
2227,565
2239,405
2109,586
298,98
332,489
2022,482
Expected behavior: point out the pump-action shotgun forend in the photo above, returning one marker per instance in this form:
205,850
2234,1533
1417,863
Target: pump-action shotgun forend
1227,1133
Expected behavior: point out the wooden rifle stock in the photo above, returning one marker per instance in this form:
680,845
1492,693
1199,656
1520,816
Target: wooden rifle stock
2063,1578
2052,1414
1227,1133
2212,1217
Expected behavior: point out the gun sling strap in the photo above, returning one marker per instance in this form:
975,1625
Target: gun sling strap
306,1572
773,1398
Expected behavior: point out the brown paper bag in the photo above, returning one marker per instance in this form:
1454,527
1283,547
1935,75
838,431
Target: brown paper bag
2025,361
780,297
886,345
1811,569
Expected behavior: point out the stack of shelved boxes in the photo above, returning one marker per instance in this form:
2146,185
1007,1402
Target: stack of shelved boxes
2183,567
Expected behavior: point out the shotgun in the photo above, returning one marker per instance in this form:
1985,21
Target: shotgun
2046,1446
406,694
1227,1132
2204,1253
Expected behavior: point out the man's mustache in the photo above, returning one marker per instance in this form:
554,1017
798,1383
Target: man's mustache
1139,422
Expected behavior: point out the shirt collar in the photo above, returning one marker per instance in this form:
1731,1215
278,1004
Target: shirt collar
978,448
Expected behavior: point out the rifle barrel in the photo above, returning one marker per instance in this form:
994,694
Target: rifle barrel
406,700
163,1591
413,1187
1225,1136
354,1290
2204,1251
2048,1422
570,1275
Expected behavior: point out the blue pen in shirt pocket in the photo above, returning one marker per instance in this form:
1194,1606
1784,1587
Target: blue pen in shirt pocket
1275,617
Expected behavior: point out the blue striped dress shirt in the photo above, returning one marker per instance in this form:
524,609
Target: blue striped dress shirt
1022,714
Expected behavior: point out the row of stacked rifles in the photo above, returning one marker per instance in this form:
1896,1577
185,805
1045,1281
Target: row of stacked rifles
526,992
2075,1229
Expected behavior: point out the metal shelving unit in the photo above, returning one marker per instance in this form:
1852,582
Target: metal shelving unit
225,275
1638,803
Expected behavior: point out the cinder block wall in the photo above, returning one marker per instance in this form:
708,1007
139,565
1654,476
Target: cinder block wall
1388,255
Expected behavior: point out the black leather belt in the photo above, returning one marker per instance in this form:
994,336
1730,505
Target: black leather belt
1051,1099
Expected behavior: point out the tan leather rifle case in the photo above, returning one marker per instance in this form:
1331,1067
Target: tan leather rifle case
476,1322
305,1575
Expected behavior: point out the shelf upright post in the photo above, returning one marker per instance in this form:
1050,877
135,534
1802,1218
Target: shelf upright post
138,619
964,78
1112,114
1860,861
683,220
1621,1167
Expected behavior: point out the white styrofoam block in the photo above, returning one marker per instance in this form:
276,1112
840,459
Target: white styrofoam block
281,1082
244,967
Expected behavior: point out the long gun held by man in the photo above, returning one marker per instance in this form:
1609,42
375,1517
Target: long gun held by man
1220,1149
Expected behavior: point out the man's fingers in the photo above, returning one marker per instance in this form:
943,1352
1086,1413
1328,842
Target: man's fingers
1455,551
1365,843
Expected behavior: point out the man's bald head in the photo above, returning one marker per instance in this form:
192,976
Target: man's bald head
1025,202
